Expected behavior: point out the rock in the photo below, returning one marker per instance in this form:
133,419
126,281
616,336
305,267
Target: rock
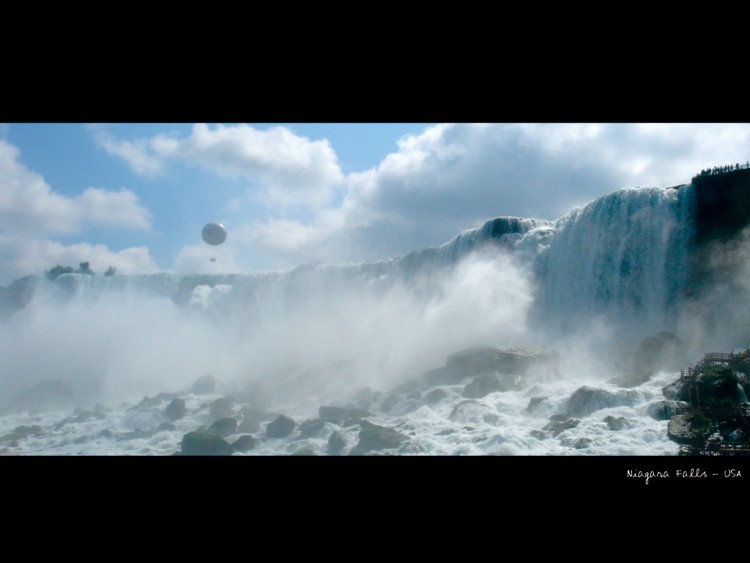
336,444
664,410
538,434
244,443
475,412
442,376
332,413
281,427
175,409
690,429
137,434
663,352
311,428
252,418
342,416
434,396
634,379
481,386
147,402
205,385
24,431
223,427
559,417
615,424
474,361
389,402
582,443
557,427
586,400
374,437
535,403
204,443
221,408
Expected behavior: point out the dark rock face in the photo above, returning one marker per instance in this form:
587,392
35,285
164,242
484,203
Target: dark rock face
663,352
205,385
481,386
722,212
615,424
374,437
175,409
689,429
332,413
664,410
342,416
336,444
582,443
204,443
221,408
434,396
281,427
535,403
474,361
557,426
244,443
251,419
311,428
586,400
223,427
488,360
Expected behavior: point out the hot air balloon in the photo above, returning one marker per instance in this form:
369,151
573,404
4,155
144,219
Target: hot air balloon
214,234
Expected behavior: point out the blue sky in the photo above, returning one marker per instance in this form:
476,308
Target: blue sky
135,196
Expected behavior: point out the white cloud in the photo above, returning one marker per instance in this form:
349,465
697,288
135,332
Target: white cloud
22,256
117,209
134,153
451,177
29,205
291,170
284,170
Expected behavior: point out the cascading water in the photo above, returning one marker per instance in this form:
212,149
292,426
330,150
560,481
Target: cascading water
364,333
624,256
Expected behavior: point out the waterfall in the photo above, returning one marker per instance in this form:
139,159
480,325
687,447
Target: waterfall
624,257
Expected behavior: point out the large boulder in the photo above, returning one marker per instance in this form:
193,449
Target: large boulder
559,423
586,400
663,352
474,361
664,410
281,427
311,428
205,385
374,437
244,443
481,386
204,443
175,410
690,429
343,416
223,427
252,418
486,359
336,444
221,408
